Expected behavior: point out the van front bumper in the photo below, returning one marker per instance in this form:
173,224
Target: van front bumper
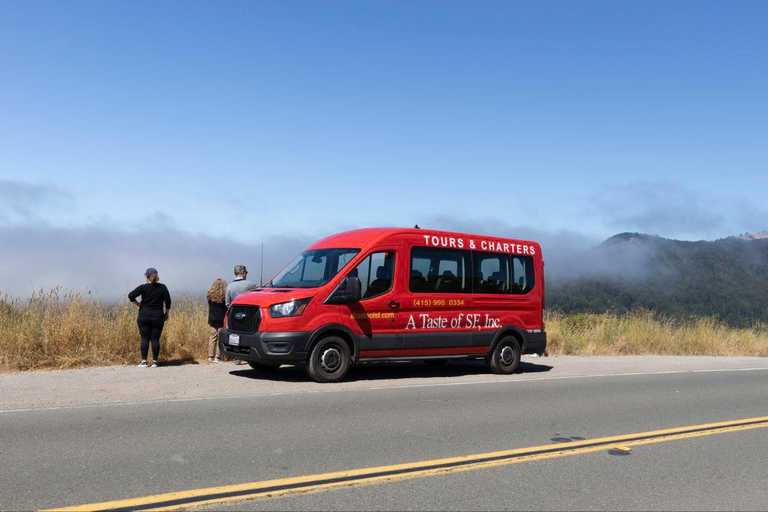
267,347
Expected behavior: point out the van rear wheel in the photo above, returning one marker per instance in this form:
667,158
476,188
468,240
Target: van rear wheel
261,367
329,360
506,356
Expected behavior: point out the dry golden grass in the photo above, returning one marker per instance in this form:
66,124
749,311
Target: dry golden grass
70,330
58,330
644,333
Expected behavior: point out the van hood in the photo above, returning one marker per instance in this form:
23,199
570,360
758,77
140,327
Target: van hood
265,297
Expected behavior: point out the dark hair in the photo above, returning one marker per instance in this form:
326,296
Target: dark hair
240,270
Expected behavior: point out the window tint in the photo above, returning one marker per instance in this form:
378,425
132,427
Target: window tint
375,273
491,272
448,267
313,268
345,258
439,271
419,266
523,275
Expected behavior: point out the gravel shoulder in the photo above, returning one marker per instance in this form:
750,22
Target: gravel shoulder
121,384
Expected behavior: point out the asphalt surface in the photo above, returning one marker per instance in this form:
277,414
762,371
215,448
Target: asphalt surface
77,446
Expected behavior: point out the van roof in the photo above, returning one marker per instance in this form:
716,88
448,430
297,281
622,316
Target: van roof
366,236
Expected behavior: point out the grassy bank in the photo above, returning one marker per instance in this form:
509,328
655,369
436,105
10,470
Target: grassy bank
645,333
69,330
58,330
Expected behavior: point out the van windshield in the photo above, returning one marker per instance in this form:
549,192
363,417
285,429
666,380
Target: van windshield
312,269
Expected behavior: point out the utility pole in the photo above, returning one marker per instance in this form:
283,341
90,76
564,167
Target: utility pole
261,275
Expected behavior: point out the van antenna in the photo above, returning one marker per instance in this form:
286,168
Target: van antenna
261,275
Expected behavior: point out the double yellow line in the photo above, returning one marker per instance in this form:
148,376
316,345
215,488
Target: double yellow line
314,483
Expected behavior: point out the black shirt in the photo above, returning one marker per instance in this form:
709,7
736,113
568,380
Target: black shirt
153,296
216,312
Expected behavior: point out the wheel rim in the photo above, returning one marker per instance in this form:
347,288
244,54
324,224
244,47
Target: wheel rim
330,359
507,356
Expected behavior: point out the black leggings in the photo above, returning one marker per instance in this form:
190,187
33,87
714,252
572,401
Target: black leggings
150,329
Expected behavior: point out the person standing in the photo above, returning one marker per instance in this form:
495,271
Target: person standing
152,316
237,287
217,309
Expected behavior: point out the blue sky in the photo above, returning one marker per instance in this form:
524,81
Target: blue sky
249,120
301,116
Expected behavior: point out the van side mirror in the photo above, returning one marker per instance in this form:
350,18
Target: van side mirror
347,291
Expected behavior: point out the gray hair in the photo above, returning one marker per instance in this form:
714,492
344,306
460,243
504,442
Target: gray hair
240,270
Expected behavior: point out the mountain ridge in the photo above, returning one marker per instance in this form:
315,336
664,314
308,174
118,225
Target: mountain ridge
725,278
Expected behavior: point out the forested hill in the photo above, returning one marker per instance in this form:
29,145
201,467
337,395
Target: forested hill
726,278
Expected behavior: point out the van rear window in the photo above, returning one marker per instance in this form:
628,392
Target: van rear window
524,275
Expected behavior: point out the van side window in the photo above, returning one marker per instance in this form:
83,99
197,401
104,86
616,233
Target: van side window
491,273
375,273
523,275
439,271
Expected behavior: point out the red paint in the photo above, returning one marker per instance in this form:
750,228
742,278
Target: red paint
424,352
382,325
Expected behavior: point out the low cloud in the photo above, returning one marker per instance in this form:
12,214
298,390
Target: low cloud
108,259
675,211
110,262
568,255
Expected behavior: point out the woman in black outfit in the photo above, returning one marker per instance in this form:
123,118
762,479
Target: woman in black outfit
152,317
217,309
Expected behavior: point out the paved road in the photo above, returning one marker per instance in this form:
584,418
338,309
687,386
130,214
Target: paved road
69,438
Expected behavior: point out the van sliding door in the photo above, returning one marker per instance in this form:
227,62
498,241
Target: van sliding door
435,302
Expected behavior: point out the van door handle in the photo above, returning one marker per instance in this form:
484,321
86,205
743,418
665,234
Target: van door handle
394,304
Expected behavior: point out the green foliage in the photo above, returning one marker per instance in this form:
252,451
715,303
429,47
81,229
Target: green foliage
726,279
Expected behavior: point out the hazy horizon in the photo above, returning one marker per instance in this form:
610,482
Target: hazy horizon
182,135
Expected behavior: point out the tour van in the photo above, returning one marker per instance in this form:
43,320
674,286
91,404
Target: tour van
389,294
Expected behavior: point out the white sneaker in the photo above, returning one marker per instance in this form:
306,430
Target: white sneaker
143,364
217,360
237,361
154,364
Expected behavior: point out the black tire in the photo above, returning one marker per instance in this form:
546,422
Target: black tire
329,360
262,367
506,356
435,362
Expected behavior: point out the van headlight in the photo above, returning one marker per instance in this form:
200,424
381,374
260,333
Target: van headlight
286,309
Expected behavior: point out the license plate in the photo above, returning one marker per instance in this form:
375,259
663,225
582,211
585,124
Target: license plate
234,339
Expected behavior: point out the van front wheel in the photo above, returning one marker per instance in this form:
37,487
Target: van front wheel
506,356
329,360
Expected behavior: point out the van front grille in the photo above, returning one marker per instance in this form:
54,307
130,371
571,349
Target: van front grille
244,319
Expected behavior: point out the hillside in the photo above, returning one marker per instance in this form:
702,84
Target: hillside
726,279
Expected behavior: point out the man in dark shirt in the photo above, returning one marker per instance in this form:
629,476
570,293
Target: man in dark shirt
152,317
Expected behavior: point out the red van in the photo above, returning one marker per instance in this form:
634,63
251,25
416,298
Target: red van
388,294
